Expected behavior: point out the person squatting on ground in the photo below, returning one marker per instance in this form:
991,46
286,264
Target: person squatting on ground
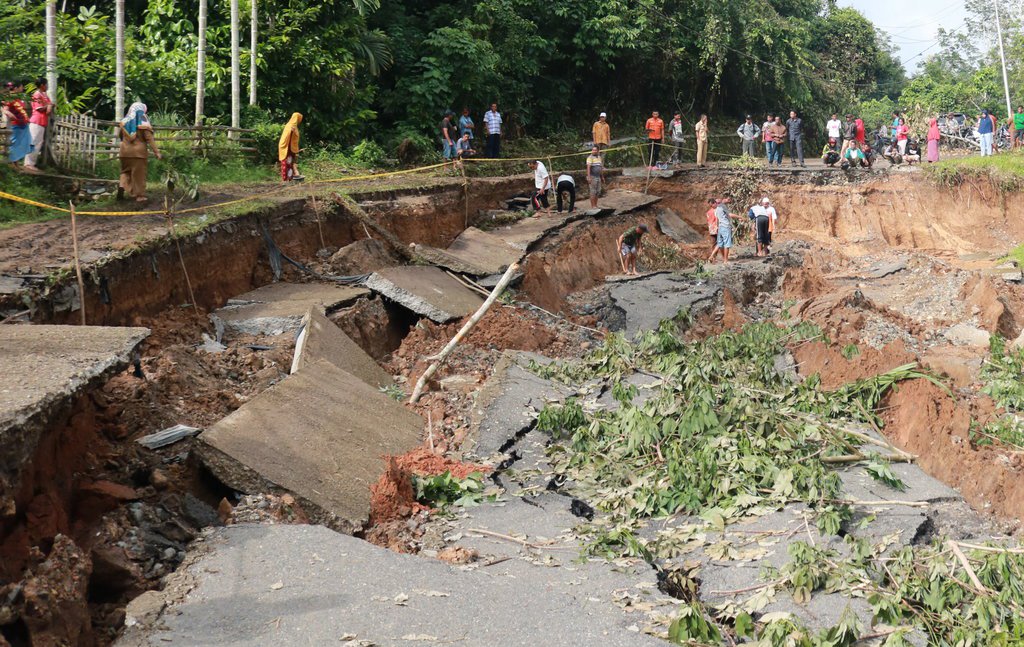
795,126
748,132
16,110
655,128
853,157
629,246
892,153
913,152
288,149
602,132
830,154
541,184
464,149
136,137
492,128
566,185
595,174
42,108
700,130
767,137
675,133
723,240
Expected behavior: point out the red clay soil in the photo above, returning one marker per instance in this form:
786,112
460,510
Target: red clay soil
835,370
805,281
925,420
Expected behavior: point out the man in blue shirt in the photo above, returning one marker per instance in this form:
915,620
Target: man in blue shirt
985,130
795,126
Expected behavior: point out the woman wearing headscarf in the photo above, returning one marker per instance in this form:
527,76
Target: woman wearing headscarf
933,140
859,133
136,136
288,149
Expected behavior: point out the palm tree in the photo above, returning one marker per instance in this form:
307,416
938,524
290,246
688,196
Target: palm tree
119,59
252,54
201,64
236,80
51,47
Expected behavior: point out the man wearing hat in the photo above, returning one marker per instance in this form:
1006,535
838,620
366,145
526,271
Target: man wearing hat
748,132
628,246
602,132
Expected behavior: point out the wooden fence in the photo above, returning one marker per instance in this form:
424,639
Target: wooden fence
78,141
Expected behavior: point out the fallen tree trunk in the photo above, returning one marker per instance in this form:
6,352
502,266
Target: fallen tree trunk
477,316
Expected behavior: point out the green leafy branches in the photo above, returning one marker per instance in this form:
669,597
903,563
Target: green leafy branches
444,490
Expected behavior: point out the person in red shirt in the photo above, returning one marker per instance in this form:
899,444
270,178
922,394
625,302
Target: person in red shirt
902,135
655,133
42,108
16,110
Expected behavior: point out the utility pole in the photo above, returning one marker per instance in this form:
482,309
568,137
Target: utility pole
201,64
253,29
119,60
1002,60
51,48
236,78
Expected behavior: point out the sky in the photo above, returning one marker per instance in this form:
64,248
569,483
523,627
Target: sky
911,23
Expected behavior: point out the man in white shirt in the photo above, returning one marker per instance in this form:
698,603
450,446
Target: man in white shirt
541,182
834,128
492,129
566,185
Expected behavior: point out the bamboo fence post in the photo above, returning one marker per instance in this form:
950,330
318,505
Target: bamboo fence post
78,264
440,358
650,166
181,258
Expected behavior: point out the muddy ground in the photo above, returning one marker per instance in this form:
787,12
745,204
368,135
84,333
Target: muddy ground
887,265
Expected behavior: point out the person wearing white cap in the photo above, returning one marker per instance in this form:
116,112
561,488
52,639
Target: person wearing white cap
602,132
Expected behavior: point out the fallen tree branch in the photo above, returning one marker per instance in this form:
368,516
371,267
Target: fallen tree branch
967,565
856,458
443,355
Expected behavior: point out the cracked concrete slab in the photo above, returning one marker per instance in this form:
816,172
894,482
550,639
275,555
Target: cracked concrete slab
427,291
320,434
279,307
508,404
677,229
306,585
483,250
626,201
44,369
320,338
649,300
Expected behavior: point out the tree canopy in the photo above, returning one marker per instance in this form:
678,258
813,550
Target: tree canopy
387,70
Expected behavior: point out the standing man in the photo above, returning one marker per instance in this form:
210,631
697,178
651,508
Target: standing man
834,128
602,132
629,246
723,241
655,133
492,128
748,132
675,133
779,136
595,174
766,136
1018,127
700,131
795,126
448,136
566,185
42,108
541,184
466,125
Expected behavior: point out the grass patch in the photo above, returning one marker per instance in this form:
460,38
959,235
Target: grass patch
15,213
1004,171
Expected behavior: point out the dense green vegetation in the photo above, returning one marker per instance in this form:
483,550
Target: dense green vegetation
386,71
